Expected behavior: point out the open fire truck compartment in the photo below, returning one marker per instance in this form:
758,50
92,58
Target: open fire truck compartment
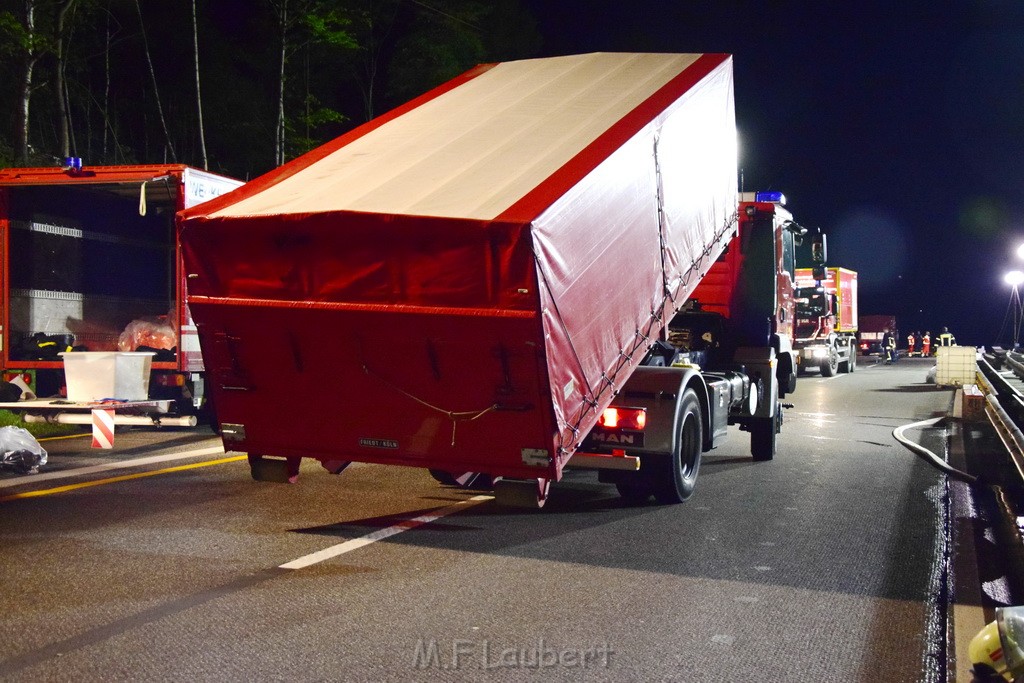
87,252
466,282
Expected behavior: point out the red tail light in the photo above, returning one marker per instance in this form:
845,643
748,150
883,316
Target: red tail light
168,380
623,418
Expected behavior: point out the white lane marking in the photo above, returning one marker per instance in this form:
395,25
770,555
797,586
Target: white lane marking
123,464
356,543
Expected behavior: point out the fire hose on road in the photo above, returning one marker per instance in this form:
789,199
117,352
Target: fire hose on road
928,456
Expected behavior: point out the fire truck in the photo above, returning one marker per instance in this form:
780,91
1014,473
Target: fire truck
826,320
747,296
499,281
90,261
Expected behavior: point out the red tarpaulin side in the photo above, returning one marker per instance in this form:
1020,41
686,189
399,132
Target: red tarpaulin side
621,251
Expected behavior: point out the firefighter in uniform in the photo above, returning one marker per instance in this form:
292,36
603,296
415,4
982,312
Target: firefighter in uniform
910,344
926,344
946,338
889,347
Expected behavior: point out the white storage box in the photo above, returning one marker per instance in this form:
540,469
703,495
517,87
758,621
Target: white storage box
95,375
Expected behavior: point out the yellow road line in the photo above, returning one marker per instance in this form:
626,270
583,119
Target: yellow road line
65,436
79,472
124,477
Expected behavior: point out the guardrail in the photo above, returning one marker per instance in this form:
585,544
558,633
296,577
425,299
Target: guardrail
1004,403
1004,407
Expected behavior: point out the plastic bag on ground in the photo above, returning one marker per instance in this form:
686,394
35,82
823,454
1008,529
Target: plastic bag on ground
19,451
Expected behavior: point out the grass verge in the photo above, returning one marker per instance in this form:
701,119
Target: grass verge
39,430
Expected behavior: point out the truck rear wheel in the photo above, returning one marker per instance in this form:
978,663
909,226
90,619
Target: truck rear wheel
680,470
830,364
763,432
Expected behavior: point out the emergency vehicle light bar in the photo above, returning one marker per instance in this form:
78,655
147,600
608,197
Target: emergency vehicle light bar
775,197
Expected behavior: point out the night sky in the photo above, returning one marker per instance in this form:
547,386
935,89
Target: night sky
896,127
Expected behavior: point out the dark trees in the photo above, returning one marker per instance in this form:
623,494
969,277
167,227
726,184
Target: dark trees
238,85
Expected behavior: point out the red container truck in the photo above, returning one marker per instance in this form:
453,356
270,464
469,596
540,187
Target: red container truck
484,281
826,320
90,261
872,331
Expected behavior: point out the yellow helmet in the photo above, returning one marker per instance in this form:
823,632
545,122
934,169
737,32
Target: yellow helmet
998,649
986,653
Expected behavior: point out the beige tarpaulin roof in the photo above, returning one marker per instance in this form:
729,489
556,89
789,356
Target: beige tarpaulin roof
474,151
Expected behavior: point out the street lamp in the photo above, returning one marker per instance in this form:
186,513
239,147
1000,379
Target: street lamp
1015,279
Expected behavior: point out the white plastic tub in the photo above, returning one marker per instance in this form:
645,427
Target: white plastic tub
95,375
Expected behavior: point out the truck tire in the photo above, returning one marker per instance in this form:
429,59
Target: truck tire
851,363
679,471
830,365
763,432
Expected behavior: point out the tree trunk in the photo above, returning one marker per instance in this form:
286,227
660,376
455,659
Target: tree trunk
199,95
106,90
156,90
25,85
63,122
279,136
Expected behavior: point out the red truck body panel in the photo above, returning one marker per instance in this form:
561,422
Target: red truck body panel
465,284
873,328
720,289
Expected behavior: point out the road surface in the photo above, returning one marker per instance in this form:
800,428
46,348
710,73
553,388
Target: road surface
164,561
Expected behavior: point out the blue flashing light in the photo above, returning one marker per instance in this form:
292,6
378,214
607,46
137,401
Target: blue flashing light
73,164
774,197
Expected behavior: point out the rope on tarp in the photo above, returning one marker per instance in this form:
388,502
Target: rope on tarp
659,200
454,415
706,252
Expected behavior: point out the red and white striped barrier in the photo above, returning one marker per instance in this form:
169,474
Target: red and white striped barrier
102,428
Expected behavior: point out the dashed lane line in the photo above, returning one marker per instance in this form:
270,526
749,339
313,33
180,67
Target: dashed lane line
362,541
